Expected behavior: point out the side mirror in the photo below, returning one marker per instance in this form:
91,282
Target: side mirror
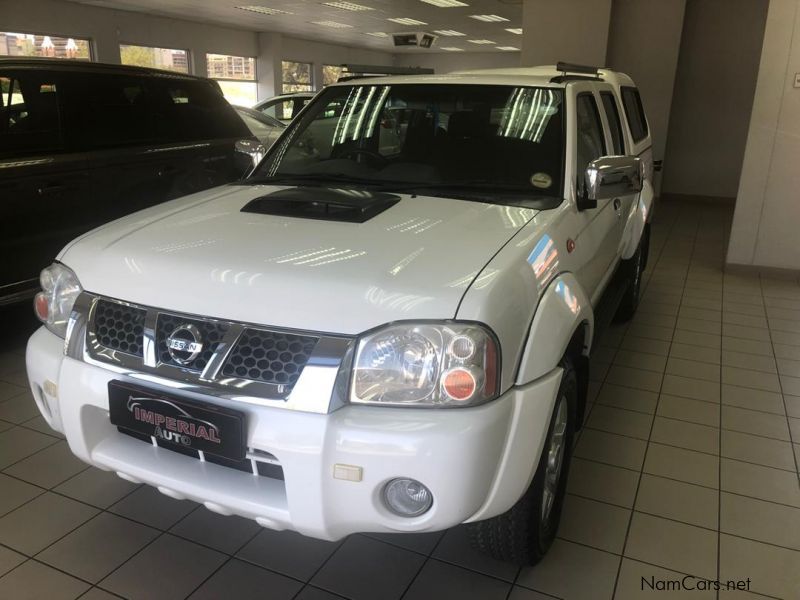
610,177
254,150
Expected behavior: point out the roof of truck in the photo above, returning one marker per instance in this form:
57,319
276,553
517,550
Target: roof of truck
61,64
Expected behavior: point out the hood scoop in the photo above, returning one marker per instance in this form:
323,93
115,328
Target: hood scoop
326,204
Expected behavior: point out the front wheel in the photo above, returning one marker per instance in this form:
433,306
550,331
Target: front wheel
524,533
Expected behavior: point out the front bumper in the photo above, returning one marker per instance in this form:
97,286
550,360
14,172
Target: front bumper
476,461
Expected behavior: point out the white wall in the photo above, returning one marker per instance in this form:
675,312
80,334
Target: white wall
766,222
447,62
574,31
713,97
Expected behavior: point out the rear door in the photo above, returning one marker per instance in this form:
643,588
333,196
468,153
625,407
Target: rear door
45,189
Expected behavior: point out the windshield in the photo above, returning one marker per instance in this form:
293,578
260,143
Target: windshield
493,143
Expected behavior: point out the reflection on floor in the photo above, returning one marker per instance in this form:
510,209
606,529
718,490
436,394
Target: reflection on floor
686,466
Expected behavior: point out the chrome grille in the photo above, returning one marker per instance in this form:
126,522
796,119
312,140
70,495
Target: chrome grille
269,356
120,327
213,333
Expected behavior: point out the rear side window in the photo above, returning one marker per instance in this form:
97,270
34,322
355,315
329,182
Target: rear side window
188,110
591,142
30,117
612,114
635,113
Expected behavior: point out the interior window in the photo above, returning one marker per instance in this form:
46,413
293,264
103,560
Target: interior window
29,114
635,113
612,114
590,143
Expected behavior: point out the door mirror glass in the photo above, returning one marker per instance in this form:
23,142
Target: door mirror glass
254,150
610,177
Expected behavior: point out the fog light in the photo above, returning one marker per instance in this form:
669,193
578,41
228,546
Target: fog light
407,497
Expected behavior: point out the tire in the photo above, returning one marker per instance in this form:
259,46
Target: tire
523,534
633,269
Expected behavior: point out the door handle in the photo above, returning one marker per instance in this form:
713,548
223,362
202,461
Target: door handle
49,190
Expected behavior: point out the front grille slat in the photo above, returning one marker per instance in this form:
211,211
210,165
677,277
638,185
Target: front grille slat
120,327
269,356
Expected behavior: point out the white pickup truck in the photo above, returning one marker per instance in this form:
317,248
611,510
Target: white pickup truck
385,328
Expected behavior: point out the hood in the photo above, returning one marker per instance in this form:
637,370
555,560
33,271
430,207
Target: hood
203,255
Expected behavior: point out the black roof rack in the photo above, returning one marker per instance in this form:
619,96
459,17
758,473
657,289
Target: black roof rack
573,72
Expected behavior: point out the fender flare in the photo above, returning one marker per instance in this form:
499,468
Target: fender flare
563,308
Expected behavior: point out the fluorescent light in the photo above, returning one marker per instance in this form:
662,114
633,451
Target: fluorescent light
377,33
448,32
508,48
334,24
480,41
348,6
445,3
264,10
406,21
452,49
515,31
489,18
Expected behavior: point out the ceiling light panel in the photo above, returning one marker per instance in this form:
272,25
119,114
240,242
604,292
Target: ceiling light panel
508,48
334,24
448,33
348,6
452,49
406,21
489,18
445,3
379,34
483,42
264,10
515,30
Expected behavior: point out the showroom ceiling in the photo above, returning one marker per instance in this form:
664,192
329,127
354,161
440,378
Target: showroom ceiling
358,23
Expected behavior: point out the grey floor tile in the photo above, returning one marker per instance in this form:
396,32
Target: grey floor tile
173,568
224,533
439,580
363,568
748,333
653,319
683,465
752,399
15,493
758,450
37,524
611,449
602,482
288,552
696,411
19,443
672,545
9,560
756,481
573,572
695,353
784,325
785,337
19,377
18,409
628,398
149,506
423,543
683,434
790,385
98,594
98,546
759,520
750,379
638,580
653,332
636,378
640,360
692,504
755,422
313,593
745,320
773,571
11,362
755,347
5,425
96,487
49,467
752,362
455,548
521,593
10,390
792,405
38,423
786,352
686,387
620,421
35,581
788,367
596,524
243,581
646,345
694,338
692,312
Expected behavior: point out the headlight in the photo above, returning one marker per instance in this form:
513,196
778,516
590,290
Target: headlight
426,364
53,305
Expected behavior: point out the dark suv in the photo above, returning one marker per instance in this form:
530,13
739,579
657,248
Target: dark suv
84,143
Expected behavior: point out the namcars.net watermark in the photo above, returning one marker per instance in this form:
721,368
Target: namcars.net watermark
690,583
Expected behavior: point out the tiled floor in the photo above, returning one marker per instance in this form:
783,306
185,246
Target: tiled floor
687,465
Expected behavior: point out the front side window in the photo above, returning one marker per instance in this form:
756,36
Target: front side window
296,77
50,46
168,59
236,76
491,142
30,115
591,142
